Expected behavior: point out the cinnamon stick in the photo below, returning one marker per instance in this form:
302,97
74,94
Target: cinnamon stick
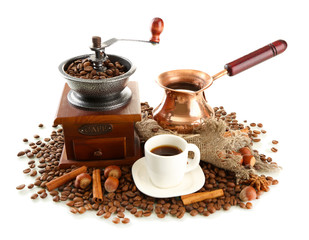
197,197
96,186
57,182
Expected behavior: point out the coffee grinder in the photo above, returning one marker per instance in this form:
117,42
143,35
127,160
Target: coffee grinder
98,115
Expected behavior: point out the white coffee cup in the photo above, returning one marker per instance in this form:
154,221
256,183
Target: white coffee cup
168,171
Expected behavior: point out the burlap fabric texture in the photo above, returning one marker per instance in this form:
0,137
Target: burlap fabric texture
215,147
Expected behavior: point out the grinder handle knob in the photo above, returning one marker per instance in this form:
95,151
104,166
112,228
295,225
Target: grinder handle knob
256,57
156,29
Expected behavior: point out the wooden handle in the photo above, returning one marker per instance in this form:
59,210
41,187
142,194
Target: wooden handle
256,57
156,29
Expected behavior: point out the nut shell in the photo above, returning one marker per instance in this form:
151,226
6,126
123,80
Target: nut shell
245,151
111,184
249,160
112,171
82,180
247,194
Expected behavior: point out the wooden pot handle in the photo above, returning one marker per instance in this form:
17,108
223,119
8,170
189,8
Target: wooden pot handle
256,57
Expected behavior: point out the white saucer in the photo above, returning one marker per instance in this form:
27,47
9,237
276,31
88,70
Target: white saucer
192,182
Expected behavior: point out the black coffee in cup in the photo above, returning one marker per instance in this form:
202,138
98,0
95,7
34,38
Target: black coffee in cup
166,150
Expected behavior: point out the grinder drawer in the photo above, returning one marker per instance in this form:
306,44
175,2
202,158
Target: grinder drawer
99,148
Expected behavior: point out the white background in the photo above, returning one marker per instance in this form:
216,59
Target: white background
36,36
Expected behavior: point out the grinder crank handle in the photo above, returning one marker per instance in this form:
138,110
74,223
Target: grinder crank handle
256,57
156,29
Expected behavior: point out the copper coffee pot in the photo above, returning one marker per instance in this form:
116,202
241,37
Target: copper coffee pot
184,107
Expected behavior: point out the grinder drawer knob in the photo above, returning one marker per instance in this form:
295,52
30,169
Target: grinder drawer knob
98,153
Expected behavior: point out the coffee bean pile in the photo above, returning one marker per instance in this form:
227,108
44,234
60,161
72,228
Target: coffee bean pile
255,129
43,160
83,68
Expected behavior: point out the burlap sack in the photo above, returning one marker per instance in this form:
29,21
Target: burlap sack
215,147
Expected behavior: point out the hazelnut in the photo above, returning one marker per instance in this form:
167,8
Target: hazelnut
245,151
249,160
247,194
111,184
238,157
82,180
112,171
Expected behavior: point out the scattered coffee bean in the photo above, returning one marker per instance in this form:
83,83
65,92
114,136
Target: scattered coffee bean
275,141
128,197
41,191
27,170
273,149
41,125
81,210
36,136
193,212
74,210
275,182
116,220
125,220
21,153
30,155
20,187
33,173
43,195
34,196
249,205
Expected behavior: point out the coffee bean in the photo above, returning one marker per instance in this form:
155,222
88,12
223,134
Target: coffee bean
211,209
41,125
81,210
30,155
249,205
27,170
125,220
274,149
193,212
33,173
116,220
86,71
25,140
70,203
138,213
21,153
73,210
100,212
36,136
275,182
226,206
34,196
275,142
20,187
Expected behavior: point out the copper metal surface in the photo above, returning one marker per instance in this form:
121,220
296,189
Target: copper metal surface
184,106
